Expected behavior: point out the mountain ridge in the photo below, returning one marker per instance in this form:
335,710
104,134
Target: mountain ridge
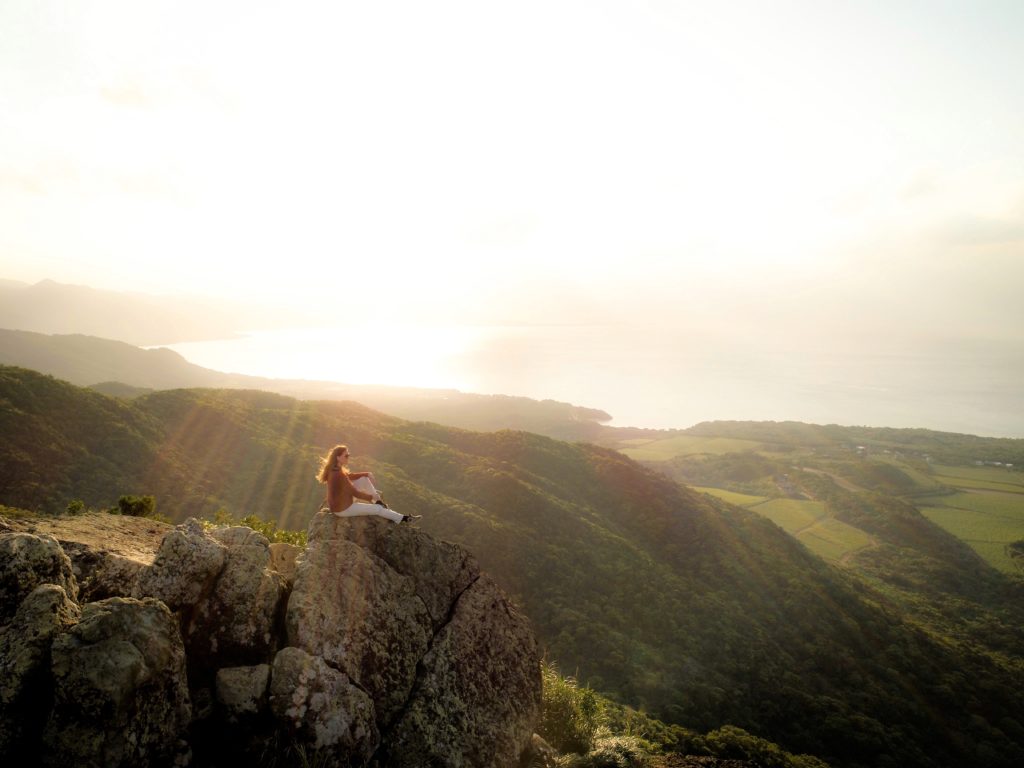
88,360
697,610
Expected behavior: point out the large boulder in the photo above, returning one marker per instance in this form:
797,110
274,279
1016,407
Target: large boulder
235,623
362,617
25,687
439,571
322,708
478,695
282,559
377,645
120,691
242,691
365,589
101,573
26,561
185,568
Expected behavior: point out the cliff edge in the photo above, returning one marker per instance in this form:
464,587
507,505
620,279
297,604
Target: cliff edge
376,645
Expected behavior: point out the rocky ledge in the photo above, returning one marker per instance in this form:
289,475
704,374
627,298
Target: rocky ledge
375,645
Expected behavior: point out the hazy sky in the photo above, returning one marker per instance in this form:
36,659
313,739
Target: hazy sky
780,167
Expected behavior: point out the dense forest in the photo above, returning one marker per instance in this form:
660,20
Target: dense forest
697,611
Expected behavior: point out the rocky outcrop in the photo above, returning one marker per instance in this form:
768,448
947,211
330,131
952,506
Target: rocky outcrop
235,623
375,645
26,561
25,683
323,708
362,617
186,565
242,691
490,709
120,691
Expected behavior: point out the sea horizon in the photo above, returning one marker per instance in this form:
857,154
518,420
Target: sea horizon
651,379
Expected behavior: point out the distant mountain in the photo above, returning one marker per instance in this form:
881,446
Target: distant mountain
145,320
696,610
88,361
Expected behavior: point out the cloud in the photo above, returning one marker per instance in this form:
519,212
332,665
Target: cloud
511,230
128,94
40,177
983,231
921,185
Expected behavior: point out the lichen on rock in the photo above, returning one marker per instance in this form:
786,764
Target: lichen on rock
26,561
120,690
186,565
377,644
322,707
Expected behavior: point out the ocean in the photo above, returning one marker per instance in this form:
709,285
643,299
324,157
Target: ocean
650,377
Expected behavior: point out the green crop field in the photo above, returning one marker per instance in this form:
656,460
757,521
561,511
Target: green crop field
684,445
739,499
832,539
808,522
992,478
986,521
791,514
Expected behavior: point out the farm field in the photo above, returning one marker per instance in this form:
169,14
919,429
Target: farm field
806,521
981,505
739,499
791,515
987,521
682,445
990,478
833,539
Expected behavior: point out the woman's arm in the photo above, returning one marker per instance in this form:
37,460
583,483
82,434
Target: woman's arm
357,475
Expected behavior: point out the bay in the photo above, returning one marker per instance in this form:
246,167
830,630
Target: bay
658,378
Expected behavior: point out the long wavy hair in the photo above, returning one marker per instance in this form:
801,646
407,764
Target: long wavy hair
328,462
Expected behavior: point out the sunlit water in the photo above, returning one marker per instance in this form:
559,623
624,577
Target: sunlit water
653,379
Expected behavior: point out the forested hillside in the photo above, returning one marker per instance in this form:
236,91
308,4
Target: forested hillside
124,370
699,611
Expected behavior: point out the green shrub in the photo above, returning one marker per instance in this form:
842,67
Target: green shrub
137,506
274,534
610,752
75,507
267,527
570,715
735,743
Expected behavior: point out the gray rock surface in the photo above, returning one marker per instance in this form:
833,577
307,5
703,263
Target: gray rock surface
185,567
25,687
363,617
282,559
490,706
102,574
120,691
383,646
243,691
439,571
26,561
323,708
235,623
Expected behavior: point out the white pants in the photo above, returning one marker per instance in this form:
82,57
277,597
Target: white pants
360,508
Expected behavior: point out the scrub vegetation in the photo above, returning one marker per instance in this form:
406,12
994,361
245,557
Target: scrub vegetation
702,614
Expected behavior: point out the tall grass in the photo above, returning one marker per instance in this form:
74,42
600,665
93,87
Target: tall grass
570,715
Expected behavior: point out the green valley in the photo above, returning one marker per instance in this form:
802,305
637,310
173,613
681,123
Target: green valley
688,607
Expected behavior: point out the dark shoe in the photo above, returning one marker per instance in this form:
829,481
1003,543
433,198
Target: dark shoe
381,503
411,518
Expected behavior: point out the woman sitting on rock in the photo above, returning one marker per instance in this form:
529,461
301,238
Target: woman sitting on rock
344,487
